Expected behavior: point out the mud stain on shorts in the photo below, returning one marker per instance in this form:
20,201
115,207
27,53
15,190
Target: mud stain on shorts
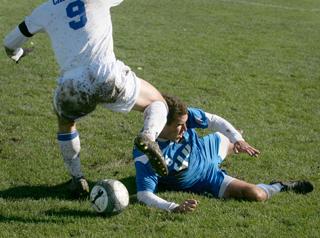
77,98
108,92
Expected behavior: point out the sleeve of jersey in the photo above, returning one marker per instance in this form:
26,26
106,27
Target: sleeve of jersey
36,21
150,199
216,123
146,179
197,118
113,3
26,29
146,182
14,39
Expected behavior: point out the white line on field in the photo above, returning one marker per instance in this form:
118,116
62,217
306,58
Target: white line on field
271,5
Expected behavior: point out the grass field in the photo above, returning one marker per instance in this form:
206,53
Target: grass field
254,62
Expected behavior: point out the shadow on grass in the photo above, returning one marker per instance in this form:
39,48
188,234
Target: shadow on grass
130,183
53,216
61,216
69,213
6,219
59,191
72,213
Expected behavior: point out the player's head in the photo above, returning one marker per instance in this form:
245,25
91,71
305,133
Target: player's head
176,119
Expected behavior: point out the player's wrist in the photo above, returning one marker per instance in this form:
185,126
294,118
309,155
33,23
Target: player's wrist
15,54
172,207
177,209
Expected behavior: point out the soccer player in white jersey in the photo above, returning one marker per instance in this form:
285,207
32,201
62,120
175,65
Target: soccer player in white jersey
193,162
81,36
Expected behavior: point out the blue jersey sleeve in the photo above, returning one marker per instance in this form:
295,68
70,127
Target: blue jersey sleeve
146,179
197,118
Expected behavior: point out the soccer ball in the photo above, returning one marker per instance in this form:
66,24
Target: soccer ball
109,197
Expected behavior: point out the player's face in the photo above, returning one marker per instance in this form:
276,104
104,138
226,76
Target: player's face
176,129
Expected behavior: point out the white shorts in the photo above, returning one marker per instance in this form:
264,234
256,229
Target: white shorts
80,90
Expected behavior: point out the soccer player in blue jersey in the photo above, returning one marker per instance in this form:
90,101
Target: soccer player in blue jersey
193,161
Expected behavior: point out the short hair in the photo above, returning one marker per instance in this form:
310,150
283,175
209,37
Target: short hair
176,108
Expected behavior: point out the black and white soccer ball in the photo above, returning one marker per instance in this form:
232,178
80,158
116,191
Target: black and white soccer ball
109,197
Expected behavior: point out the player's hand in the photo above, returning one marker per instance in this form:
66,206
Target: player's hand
19,53
188,205
244,147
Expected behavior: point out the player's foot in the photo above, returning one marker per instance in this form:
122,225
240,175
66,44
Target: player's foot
78,187
300,186
152,150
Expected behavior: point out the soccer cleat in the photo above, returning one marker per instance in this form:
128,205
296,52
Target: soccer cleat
78,187
300,186
152,150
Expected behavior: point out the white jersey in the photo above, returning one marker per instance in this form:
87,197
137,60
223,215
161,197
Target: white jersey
80,30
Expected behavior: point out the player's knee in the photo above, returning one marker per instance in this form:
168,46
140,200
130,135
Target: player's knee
257,194
253,193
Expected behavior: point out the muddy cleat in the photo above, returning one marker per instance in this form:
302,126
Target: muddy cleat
78,187
152,150
301,186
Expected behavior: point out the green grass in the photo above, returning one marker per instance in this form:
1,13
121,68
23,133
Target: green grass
254,62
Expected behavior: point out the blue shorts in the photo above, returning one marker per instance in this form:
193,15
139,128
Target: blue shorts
216,180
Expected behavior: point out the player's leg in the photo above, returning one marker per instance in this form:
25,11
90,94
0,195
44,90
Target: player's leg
70,104
154,107
155,110
239,189
69,141
123,91
120,90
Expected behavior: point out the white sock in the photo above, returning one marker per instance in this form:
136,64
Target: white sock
155,118
270,189
70,149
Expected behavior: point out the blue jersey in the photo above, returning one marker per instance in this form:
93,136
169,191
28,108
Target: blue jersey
193,163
